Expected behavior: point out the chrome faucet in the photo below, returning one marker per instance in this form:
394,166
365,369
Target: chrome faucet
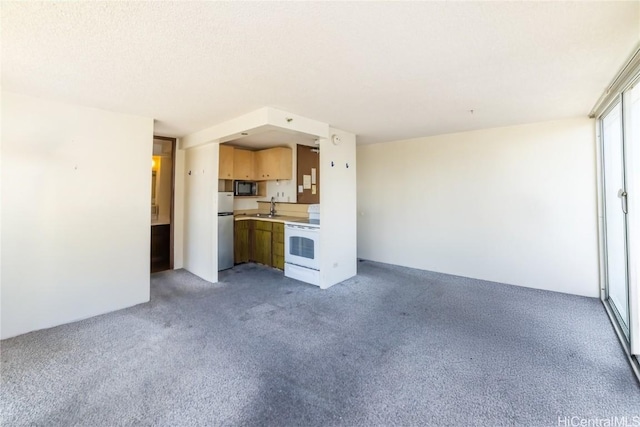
272,211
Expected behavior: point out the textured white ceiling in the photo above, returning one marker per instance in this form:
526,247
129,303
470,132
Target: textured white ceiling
270,137
383,70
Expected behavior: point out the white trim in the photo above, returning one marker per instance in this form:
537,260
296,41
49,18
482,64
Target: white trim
622,80
632,186
633,360
600,207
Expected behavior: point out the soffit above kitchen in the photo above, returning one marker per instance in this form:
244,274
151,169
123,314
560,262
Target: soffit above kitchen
268,138
383,70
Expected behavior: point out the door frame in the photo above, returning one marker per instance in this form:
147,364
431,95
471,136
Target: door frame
625,341
173,192
617,101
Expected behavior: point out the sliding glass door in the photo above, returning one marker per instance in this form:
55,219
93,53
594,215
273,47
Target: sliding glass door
631,136
618,129
620,132
615,212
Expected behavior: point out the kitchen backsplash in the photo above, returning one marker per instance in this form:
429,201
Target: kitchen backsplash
244,204
283,190
286,209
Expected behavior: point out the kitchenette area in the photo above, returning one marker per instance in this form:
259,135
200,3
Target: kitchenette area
287,240
282,195
284,235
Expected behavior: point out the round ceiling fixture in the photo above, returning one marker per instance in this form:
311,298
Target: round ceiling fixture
336,139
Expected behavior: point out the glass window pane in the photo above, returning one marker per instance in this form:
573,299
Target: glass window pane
301,246
632,158
613,157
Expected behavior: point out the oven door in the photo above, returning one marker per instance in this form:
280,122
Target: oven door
302,246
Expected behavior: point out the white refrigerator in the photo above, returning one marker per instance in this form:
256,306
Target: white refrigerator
225,230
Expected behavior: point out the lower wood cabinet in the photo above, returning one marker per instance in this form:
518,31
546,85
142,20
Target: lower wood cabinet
277,245
259,241
241,241
262,242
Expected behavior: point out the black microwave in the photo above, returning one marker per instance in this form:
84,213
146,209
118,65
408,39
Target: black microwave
245,188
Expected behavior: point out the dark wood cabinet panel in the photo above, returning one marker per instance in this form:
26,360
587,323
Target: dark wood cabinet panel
278,232
160,247
277,256
263,225
262,241
241,242
277,245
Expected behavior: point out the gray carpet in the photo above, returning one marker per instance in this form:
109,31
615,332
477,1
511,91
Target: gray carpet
392,346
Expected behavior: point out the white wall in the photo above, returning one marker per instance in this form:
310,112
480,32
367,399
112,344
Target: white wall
201,211
514,205
338,217
245,204
76,186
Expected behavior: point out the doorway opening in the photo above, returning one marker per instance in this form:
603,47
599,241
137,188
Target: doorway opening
162,195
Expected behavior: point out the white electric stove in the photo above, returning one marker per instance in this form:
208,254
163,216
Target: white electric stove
302,247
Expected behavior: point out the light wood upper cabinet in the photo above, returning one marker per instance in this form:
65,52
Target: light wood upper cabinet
244,165
262,165
225,164
273,163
